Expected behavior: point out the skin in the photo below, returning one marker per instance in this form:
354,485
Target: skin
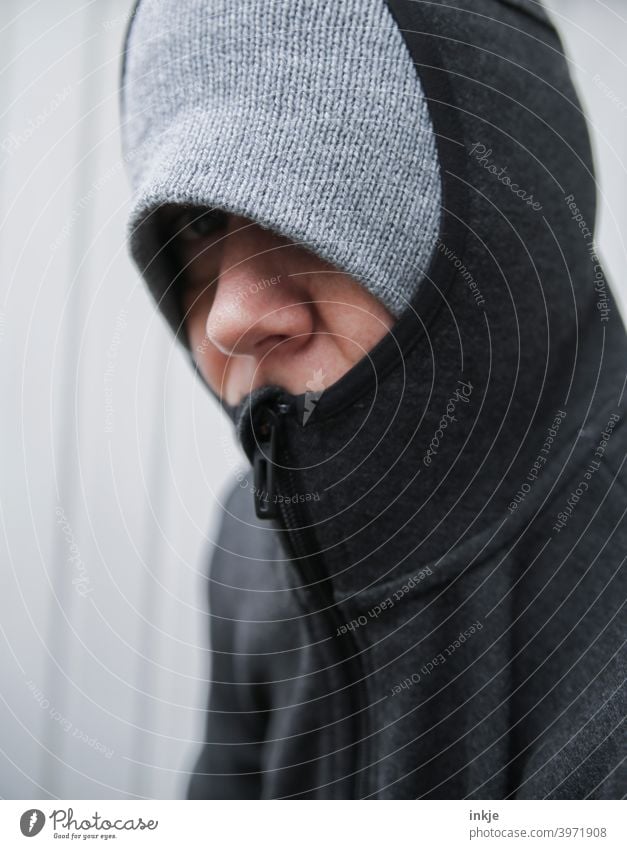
261,309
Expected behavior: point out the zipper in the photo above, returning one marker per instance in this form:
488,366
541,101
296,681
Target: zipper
265,463
303,550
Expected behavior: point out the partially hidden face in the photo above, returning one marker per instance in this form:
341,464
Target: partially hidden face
261,309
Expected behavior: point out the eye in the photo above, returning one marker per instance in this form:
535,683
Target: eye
193,224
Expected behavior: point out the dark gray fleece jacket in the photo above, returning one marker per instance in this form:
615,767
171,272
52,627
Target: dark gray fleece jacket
418,590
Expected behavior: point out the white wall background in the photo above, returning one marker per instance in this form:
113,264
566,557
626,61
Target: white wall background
112,457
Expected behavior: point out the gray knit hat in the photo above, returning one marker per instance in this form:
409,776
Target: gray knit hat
306,116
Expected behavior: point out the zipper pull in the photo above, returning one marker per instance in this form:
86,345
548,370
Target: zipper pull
264,470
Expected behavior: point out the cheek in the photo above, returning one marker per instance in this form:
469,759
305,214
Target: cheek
356,323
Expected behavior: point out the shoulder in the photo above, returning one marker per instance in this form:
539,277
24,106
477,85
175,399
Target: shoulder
248,569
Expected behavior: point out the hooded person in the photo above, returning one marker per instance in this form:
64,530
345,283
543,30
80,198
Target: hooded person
419,593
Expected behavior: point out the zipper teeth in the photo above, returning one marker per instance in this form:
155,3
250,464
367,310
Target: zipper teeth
302,548
349,650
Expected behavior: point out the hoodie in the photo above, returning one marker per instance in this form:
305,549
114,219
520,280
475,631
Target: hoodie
417,590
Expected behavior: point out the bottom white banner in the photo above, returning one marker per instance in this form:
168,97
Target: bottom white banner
312,824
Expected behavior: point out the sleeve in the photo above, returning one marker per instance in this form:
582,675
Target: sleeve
229,765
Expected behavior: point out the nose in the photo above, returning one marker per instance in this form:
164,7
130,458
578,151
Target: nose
257,307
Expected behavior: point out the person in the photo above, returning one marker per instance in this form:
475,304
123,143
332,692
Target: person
370,227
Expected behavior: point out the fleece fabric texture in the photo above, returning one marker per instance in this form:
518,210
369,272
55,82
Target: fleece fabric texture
307,117
436,610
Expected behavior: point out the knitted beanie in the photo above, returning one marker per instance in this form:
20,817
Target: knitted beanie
306,116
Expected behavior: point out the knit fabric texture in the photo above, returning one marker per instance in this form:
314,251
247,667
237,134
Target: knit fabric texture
307,116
